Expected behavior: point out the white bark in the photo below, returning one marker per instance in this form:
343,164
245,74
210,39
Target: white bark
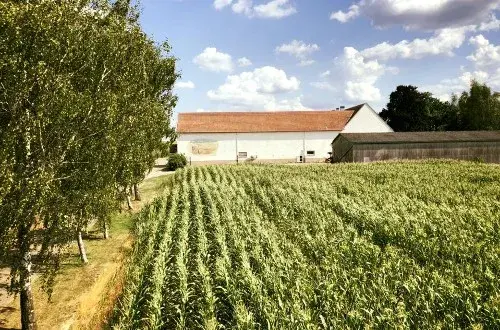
27,306
127,196
105,231
137,192
81,248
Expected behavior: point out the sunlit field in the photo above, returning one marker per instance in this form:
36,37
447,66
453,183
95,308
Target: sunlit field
384,245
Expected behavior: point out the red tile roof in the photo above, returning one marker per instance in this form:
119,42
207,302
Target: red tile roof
251,122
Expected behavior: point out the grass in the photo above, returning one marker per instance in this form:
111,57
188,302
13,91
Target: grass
84,294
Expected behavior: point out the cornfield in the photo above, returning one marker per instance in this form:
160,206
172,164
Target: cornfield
385,246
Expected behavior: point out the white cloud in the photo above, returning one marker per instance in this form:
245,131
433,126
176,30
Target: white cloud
220,4
421,14
492,25
485,68
306,62
324,85
353,78
325,74
242,62
486,55
286,104
362,90
344,17
494,80
257,88
298,49
275,9
362,69
212,60
267,80
243,7
185,84
356,66
443,42
447,87
360,76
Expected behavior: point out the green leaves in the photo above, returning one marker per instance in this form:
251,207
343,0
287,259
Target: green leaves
478,109
284,247
85,98
411,110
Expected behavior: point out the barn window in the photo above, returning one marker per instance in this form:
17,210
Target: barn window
242,154
311,152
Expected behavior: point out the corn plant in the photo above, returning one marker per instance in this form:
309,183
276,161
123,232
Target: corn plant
349,246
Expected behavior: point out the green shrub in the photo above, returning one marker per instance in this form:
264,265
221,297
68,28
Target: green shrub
176,161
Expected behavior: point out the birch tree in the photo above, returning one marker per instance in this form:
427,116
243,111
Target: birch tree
80,89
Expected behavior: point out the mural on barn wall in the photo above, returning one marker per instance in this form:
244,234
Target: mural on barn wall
204,147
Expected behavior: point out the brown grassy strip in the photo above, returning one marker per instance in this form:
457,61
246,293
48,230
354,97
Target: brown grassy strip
84,295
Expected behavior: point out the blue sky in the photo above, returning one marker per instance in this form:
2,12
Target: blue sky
320,54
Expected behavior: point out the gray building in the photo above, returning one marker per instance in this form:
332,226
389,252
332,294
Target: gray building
369,147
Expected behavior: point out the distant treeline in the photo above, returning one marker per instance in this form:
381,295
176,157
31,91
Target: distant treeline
410,110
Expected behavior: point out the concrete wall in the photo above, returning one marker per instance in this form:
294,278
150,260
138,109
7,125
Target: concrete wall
486,151
279,146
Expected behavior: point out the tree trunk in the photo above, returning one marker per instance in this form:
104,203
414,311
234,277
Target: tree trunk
137,192
43,248
129,202
105,230
131,191
81,248
28,320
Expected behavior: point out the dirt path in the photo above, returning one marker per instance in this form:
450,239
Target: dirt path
5,298
83,294
157,170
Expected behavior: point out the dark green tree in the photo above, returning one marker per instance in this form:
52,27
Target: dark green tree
478,109
410,110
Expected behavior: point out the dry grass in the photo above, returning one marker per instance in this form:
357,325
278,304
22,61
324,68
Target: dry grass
84,295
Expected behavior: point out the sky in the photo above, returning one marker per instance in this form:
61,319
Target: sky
270,55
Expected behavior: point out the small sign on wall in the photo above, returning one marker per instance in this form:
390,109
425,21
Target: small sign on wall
204,147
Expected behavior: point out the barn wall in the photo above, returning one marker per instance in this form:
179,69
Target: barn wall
487,151
211,147
280,146
366,120
340,149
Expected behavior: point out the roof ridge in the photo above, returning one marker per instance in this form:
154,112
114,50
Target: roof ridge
263,112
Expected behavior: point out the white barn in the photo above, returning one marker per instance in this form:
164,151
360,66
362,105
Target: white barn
281,136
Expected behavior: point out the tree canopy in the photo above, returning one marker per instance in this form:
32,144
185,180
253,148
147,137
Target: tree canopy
477,109
84,103
410,110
